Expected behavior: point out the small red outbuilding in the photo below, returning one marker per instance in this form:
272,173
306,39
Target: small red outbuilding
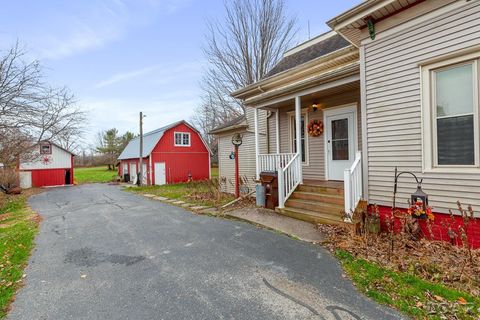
49,165
172,154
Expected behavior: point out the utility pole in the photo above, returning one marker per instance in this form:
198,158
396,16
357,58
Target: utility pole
140,160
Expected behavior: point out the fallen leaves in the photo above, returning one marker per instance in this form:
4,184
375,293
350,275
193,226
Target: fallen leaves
435,261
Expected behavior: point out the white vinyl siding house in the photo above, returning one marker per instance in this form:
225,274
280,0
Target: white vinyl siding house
408,74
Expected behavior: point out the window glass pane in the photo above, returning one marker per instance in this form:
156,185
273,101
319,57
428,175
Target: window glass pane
294,137
186,139
178,138
454,91
455,141
340,129
45,149
340,149
340,139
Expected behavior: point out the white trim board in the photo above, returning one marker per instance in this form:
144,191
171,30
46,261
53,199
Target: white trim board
325,86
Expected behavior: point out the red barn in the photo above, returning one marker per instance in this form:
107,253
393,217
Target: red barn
52,165
172,154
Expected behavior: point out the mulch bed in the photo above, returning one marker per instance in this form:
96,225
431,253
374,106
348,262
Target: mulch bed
436,261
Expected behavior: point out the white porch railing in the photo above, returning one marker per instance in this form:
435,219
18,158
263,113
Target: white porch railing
289,178
353,185
271,162
288,168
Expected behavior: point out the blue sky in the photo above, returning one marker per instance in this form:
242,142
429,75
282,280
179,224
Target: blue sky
120,57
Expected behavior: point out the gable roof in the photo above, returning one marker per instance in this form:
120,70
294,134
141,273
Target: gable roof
310,50
235,123
150,140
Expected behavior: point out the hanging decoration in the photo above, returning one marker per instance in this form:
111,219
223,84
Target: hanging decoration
315,128
371,28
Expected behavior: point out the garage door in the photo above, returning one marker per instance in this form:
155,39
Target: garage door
160,177
133,173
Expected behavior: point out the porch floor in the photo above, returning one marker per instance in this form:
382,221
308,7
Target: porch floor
324,183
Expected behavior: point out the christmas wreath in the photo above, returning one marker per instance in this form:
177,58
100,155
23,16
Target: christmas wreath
315,128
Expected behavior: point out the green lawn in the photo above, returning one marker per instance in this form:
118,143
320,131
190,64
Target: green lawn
198,192
94,175
18,226
214,172
407,293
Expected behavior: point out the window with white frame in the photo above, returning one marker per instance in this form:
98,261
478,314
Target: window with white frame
182,139
450,114
304,136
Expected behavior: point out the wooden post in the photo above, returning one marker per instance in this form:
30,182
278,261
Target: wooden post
298,133
237,174
277,132
140,160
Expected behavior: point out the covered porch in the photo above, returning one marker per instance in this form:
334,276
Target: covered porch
319,175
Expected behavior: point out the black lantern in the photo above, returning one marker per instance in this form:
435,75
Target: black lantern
420,196
417,196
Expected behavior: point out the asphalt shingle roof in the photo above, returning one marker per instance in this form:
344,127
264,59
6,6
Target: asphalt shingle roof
310,53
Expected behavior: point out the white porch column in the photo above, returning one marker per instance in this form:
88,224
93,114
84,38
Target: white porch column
298,131
257,146
277,127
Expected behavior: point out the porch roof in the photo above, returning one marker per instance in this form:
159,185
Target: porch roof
239,122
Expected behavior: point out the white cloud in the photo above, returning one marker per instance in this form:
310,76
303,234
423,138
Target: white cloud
124,76
162,74
96,24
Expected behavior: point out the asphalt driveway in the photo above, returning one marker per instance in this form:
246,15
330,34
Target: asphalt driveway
103,253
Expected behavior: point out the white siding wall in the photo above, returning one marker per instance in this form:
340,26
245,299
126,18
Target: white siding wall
394,108
247,152
315,169
59,159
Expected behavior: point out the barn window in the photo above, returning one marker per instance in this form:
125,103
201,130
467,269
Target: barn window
45,148
182,139
451,109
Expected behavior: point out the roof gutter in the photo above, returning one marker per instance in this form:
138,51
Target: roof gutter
357,12
287,75
230,128
350,69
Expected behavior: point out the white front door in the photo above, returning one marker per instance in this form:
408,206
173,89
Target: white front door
160,176
340,136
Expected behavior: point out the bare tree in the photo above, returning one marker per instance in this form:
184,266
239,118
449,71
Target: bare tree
30,111
240,51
